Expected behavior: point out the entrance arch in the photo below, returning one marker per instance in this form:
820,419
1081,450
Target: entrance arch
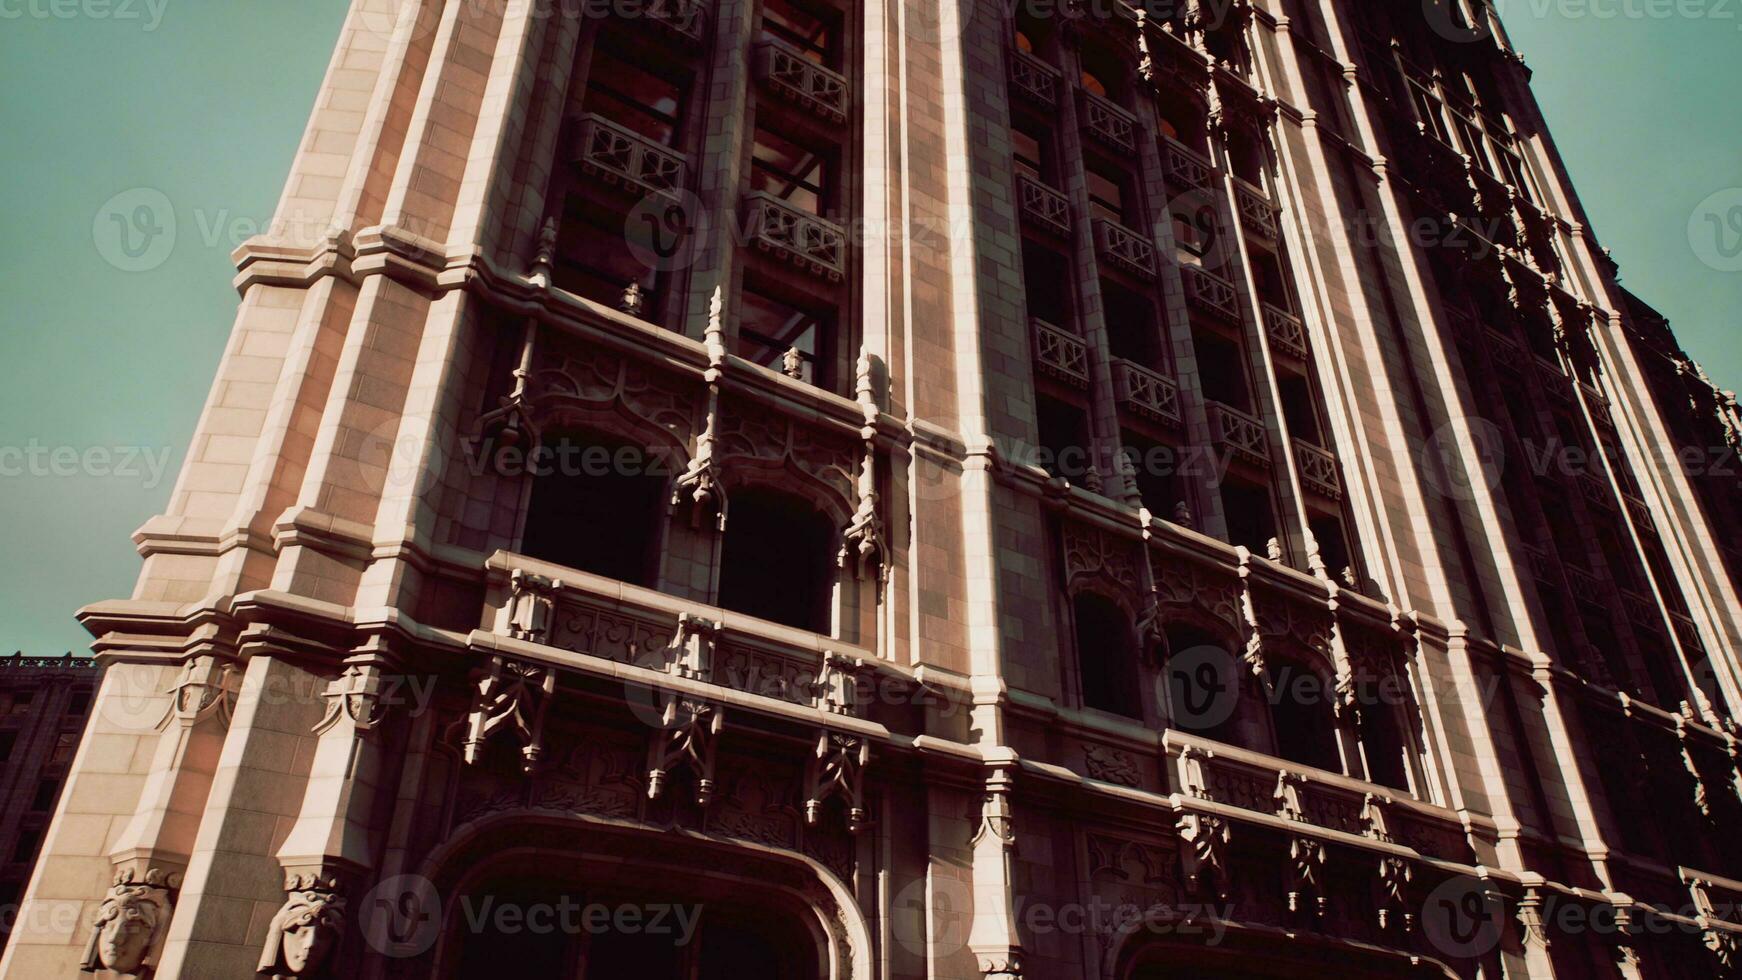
573,898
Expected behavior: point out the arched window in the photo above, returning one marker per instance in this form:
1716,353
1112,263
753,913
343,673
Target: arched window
1383,741
598,503
1106,655
1303,716
1203,684
778,559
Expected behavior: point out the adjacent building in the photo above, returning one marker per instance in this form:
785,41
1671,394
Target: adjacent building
829,489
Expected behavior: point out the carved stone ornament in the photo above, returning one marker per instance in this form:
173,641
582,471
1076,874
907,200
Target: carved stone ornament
837,766
356,695
688,734
306,929
1093,553
512,697
1306,861
1004,967
699,483
1205,853
205,689
131,922
1392,887
531,605
1110,765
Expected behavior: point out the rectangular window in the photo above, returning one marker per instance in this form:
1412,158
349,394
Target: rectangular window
1046,286
79,703
46,792
768,329
630,95
1251,519
593,262
1107,197
814,34
29,839
22,702
65,744
795,174
1299,409
1028,155
8,741
1222,370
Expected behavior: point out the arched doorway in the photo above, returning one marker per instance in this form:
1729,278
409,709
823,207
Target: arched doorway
542,897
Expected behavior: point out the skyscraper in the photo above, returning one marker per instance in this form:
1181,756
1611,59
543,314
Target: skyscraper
808,489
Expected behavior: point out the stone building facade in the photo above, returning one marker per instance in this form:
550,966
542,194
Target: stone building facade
44,703
898,489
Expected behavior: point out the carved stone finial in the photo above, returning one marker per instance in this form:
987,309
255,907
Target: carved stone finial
545,258
688,734
1273,549
792,363
1182,514
513,697
531,605
837,767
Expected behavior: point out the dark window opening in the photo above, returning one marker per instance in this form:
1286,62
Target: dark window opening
1064,438
1203,684
1272,284
8,742
814,33
1031,153
1251,519
46,793
80,702
777,560
1306,723
1222,370
768,329
1109,196
1155,468
1299,408
597,505
631,96
1132,332
1194,227
1046,286
1106,655
1382,732
1333,546
1246,156
592,260
799,175
24,851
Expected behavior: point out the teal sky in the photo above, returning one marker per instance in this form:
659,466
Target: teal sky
203,101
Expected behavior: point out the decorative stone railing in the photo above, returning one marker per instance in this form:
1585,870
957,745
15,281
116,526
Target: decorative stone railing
1145,392
1049,210
1256,210
814,244
1641,610
1124,249
1109,124
1585,586
1227,776
1318,470
1034,79
1536,562
1461,322
1594,487
1287,332
1238,433
1060,354
618,155
1211,293
581,613
685,19
1186,168
801,81
1641,513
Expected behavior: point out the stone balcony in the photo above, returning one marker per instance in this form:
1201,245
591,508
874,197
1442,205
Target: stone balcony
1060,354
1238,434
1318,470
1124,249
814,244
1046,209
1145,393
622,157
1210,293
599,626
685,20
1286,332
1109,124
802,82
1034,80
1257,212
1186,168
1213,775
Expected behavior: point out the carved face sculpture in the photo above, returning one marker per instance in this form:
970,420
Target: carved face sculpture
306,946
124,937
305,932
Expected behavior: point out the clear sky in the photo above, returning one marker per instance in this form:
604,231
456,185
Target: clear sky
112,332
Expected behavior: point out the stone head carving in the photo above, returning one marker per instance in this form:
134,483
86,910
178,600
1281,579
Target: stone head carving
305,931
129,923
